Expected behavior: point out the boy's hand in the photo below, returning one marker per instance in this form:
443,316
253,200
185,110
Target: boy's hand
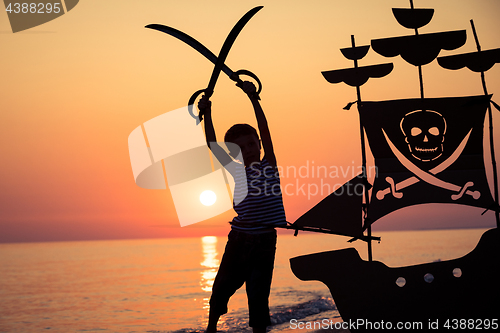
248,87
204,105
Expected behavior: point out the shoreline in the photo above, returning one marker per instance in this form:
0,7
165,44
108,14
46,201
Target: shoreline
321,330
312,324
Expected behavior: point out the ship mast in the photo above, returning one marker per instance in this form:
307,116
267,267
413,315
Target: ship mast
363,163
420,75
339,212
480,62
490,120
356,77
424,47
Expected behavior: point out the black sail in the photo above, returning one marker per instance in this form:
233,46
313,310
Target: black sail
339,213
421,49
426,151
356,77
475,61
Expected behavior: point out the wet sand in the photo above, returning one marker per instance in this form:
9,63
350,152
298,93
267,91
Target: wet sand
328,330
318,331
309,322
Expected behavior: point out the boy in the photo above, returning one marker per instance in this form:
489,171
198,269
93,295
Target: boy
251,246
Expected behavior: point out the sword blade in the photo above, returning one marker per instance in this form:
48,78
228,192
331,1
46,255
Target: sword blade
423,175
437,169
228,43
191,42
453,157
442,166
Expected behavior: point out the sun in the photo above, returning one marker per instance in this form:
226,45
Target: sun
208,198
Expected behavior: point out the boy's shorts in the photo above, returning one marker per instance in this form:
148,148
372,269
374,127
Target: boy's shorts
249,259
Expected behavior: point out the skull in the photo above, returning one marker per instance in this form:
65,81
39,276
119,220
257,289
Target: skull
424,132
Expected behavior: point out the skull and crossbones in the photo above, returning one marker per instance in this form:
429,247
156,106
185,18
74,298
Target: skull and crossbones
424,133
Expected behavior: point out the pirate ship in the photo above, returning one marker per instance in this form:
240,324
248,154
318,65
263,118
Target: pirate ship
427,150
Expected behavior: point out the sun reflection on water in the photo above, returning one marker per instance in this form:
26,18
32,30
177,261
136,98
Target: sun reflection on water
210,263
209,248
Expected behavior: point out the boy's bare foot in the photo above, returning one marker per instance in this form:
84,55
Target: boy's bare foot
213,319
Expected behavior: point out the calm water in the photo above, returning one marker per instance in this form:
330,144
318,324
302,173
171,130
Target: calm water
163,285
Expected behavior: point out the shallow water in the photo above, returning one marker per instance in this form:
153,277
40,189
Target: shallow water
163,285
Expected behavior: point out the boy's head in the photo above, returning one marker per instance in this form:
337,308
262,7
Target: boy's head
246,137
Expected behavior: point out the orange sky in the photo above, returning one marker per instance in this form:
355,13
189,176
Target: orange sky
74,88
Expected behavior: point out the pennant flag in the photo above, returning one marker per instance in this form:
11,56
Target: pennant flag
28,14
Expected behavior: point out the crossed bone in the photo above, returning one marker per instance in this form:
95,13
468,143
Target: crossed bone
428,177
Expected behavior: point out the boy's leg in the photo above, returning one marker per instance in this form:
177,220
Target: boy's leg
213,319
230,277
258,284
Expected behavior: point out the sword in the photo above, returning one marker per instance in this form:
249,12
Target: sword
206,53
218,61
429,178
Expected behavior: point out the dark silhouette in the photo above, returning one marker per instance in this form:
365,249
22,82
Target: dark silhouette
250,250
426,150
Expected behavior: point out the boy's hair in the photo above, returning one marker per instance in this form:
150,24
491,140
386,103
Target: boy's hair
239,130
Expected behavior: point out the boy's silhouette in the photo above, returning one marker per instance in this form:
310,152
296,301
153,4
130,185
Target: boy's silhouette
250,250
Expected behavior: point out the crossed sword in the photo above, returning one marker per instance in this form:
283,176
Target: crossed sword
427,177
218,61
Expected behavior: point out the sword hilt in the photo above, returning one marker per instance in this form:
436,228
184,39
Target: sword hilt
236,78
193,98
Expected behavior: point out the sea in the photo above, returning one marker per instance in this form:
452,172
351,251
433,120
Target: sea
164,285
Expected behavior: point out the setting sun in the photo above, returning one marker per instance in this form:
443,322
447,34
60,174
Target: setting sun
208,198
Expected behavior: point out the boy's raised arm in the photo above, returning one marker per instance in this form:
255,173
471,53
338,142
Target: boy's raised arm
205,107
265,134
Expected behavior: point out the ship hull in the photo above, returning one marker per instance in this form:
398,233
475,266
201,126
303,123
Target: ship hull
466,288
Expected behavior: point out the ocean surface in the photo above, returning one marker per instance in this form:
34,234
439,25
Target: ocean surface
164,285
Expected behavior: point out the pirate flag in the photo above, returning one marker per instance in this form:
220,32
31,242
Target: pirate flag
426,151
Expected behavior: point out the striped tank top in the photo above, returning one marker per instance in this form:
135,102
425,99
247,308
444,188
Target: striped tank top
257,199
